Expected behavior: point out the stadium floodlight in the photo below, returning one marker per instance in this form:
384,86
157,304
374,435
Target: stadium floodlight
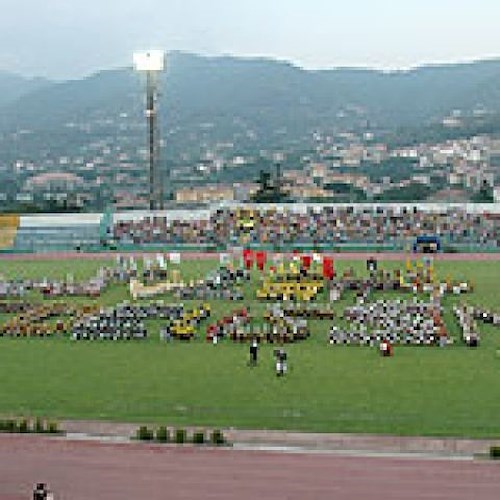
151,62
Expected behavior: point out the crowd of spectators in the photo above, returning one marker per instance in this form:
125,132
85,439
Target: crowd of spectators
316,225
160,230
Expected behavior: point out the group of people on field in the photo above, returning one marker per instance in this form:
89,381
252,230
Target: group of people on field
280,358
412,322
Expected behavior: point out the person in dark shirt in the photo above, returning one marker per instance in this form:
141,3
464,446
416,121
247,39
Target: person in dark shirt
281,362
254,347
41,492
371,265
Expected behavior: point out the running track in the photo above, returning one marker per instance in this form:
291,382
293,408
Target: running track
90,470
204,256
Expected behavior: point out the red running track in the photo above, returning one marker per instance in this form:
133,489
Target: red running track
390,256
89,470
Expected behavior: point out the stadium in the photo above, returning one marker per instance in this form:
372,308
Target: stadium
112,321
249,343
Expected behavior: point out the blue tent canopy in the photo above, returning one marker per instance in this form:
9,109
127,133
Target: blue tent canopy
427,241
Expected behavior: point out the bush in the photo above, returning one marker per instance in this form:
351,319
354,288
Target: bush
52,428
39,426
198,437
180,436
144,434
10,425
162,435
495,452
23,426
217,437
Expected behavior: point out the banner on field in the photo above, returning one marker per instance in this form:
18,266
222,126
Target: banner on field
224,259
175,258
160,260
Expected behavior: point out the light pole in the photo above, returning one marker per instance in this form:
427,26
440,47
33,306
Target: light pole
152,62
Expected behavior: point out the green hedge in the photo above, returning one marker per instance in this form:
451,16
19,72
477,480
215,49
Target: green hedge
39,426
25,426
144,434
198,437
178,436
162,435
217,437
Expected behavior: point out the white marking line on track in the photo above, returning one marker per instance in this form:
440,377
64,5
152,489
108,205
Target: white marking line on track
80,436
353,453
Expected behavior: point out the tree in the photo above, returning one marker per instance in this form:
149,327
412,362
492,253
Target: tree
484,195
270,191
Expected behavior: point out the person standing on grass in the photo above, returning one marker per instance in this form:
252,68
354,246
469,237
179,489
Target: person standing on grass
254,347
281,363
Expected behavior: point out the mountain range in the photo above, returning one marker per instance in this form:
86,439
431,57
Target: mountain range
268,97
14,87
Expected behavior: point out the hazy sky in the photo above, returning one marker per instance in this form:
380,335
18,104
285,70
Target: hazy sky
71,38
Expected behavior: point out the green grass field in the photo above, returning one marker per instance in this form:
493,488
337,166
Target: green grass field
420,391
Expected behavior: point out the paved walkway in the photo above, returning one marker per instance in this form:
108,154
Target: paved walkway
311,441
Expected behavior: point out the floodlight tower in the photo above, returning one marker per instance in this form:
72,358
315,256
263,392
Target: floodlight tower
152,62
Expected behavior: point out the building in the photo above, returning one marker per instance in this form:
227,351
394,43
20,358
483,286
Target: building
208,193
54,181
496,194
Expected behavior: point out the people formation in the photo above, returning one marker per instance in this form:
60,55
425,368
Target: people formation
274,327
397,321
295,290
468,317
69,286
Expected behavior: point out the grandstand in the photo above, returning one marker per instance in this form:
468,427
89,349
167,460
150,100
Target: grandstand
349,227
339,227
56,232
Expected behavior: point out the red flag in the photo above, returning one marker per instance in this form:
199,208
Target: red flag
248,258
261,258
306,261
328,269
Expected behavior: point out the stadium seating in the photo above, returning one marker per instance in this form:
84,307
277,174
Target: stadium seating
57,232
354,227
344,226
